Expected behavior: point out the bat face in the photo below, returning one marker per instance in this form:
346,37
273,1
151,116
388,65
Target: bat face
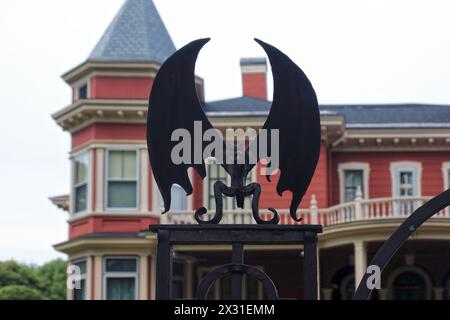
289,140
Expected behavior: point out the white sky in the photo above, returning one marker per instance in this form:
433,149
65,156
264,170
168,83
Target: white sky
353,52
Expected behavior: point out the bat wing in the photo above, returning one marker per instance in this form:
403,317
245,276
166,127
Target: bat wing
174,105
295,113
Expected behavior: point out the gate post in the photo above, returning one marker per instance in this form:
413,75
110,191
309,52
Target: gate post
310,266
164,267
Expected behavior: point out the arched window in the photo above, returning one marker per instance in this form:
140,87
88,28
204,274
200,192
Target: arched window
410,283
347,287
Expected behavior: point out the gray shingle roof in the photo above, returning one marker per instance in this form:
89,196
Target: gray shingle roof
253,61
356,116
235,106
393,115
137,33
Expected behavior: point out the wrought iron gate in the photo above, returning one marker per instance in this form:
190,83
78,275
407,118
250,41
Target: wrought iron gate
237,236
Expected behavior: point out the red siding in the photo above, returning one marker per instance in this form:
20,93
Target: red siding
197,195
109,224
254,85
150,186
103,87
82,136
318,187
109,131
380,174
269,197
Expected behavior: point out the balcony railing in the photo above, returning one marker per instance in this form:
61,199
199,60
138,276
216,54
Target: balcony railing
358,210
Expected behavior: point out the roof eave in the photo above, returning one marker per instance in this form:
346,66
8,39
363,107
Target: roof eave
89,66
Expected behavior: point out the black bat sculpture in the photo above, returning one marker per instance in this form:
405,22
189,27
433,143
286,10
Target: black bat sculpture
174,104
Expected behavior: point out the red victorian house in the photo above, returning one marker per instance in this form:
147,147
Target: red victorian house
377,163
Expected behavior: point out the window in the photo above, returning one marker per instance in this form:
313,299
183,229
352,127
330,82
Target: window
178,199
120,278
351,176
448,179
406,184
352,180
80,294
216,173
83,92
409,285
81,182
122,181
446,174
178,280
347,287
406,177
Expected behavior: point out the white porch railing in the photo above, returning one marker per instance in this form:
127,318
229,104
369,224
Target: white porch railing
358,210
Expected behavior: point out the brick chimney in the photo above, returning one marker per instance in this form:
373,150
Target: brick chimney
254,79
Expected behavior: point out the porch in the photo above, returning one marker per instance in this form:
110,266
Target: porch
358,210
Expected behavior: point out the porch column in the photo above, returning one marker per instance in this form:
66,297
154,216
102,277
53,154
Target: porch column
327,294
90,278
143,277
438,293
98,277
383,294
152,276
310,273
360,252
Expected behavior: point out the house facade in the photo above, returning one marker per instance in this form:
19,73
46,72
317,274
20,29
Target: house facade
377,164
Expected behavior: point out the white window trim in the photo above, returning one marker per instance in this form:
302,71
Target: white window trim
84,277
88,182
415,269
134,275
406,165
445,169
77,85
206,185
138,180
216,285
342,167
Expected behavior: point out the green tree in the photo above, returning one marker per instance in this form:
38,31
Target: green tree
20,281
19,292
52,276
14,273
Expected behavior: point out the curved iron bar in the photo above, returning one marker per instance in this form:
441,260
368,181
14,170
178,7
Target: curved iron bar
220,188
396,240
203,288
